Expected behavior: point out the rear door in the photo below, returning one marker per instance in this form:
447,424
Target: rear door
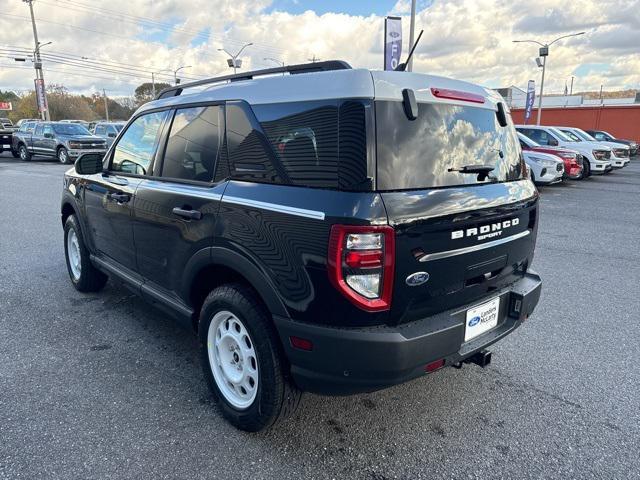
467,236
177,210
109,196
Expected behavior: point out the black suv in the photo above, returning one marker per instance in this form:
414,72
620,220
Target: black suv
333,230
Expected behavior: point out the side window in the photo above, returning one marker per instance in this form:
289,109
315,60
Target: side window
48,130
320,143
539,136
135,150
250,155
100,130
304,136
38,131
112,132
599,136
194,143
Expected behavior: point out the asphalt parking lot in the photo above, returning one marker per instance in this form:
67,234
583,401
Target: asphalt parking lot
104,386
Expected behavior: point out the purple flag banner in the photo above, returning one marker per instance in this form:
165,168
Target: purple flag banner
392,42
531,96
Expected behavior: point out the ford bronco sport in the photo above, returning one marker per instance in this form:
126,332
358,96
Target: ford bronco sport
331,230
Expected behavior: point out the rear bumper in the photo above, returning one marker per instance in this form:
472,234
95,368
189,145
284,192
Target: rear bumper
345,361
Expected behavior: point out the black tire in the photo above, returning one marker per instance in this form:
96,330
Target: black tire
277,397
23,153
90,278
586,168
15,153
63,156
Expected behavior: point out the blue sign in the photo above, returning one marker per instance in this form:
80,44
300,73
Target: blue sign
531,96
392,42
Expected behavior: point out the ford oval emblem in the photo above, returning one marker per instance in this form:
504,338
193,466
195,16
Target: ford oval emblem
474,321
417,278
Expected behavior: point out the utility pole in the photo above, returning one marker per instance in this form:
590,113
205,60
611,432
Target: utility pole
106,104
153,85
411,33
38,62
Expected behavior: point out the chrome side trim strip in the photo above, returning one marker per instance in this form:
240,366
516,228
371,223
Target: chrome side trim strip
474,248
274,207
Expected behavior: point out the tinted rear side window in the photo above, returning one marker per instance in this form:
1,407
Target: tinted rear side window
418,154
194,142
318,144
250,154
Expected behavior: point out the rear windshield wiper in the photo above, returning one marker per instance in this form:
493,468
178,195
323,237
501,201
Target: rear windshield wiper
481,170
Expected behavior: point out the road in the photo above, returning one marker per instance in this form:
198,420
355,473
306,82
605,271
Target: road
104,386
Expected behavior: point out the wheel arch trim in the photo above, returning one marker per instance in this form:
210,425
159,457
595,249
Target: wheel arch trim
227,258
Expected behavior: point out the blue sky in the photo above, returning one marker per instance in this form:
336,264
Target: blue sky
353,7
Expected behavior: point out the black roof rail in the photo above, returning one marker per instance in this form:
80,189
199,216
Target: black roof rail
291,69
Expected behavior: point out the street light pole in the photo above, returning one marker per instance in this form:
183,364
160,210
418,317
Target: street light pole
38,62
544,65
544,53
175,73
234,61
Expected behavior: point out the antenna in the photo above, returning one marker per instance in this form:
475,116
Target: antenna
403,66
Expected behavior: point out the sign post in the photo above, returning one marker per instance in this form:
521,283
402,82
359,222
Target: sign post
531,96
392,42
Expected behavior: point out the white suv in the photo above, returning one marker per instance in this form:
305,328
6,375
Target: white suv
619,153
597,157
545,168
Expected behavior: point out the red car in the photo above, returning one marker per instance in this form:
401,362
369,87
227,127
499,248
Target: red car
572,159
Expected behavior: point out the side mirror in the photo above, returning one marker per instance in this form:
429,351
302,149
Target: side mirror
111,134
553,142
48,135
89,163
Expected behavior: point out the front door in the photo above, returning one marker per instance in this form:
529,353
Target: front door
36,139
47,142
110,196
176,212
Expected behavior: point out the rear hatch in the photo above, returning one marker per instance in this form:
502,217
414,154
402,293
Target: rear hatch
473,236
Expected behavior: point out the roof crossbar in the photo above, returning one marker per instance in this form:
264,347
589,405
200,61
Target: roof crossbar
291,69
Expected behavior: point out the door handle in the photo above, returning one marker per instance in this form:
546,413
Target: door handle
188,214
119,197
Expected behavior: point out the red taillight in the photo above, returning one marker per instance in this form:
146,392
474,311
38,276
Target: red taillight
361,264
457,95
364,259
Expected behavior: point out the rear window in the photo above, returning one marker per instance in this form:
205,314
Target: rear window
415,154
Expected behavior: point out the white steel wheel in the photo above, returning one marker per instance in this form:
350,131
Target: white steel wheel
73,254
233,359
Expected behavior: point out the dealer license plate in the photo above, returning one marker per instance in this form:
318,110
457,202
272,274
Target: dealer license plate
481,319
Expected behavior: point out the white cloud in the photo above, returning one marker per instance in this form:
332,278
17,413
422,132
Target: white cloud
467,39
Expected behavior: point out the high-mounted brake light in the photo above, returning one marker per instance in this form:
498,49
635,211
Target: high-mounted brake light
457,95
361,264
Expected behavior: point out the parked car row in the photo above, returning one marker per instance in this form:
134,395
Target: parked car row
554,153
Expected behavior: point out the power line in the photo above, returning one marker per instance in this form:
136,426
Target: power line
162,25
